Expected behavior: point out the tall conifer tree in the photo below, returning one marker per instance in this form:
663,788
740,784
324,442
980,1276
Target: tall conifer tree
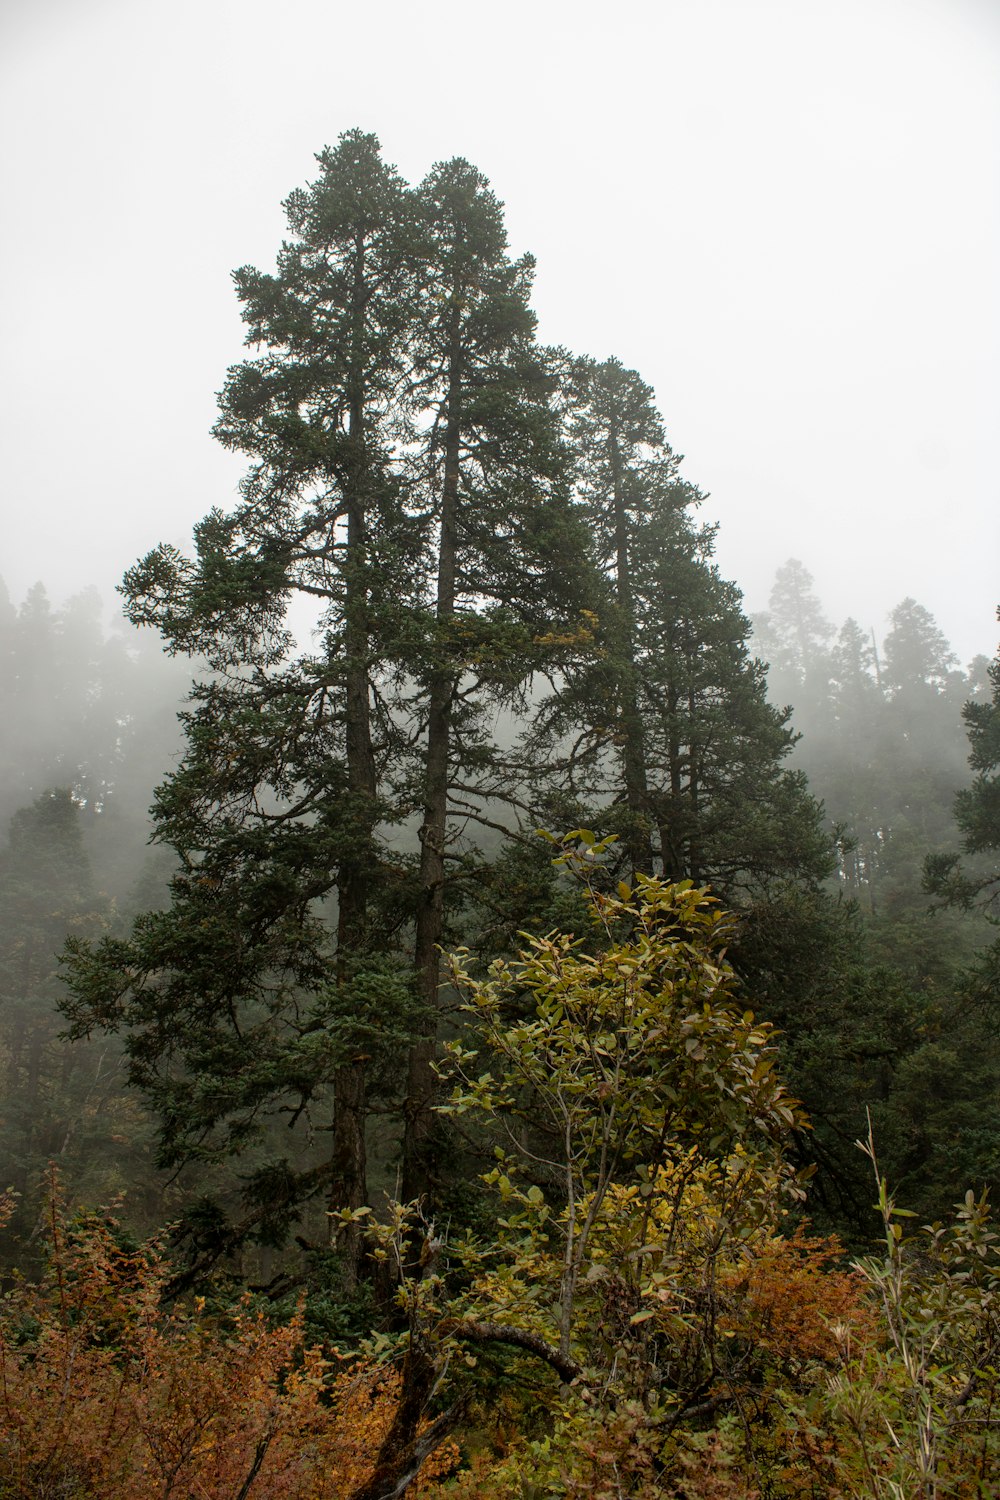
666,733
486,468
236,1001
406,480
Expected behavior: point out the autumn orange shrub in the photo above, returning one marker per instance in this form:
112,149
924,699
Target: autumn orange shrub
787,1312
795,1299
103,1394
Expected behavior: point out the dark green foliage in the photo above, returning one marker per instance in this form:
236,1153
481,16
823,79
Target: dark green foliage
487,470
976,882
848,1029
57,1102
405,481
237,1015
520,891
878,1019
283,912
879,740
663,732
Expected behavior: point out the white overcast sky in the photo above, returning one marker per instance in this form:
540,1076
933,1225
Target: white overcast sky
784,213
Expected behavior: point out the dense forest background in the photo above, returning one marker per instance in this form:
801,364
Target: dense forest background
466,596
871,980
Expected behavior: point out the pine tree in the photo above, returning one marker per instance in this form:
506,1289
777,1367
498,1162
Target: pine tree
240,1000
794,638
922,724
852,765
86,708
406,482
58,1102
977,813
666,733
486,467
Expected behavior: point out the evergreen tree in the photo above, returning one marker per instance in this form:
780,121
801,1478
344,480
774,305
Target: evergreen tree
845,765
878,742
90,709
485,468
794,638
917,656
727,808
977,813
665,733
866,1004
921,756
405,480
239,1001
59,1102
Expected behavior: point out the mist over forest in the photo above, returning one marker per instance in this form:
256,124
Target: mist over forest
480,1013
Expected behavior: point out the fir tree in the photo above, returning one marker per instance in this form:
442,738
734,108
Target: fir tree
667,728
486,470
406,481
240,999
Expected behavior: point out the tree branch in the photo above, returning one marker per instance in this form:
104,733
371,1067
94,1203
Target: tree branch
520,1338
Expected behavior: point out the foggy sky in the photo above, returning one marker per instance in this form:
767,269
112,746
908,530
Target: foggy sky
784,213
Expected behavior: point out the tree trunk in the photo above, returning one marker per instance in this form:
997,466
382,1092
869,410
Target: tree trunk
640,847
402,1452
348,1165
418,1164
